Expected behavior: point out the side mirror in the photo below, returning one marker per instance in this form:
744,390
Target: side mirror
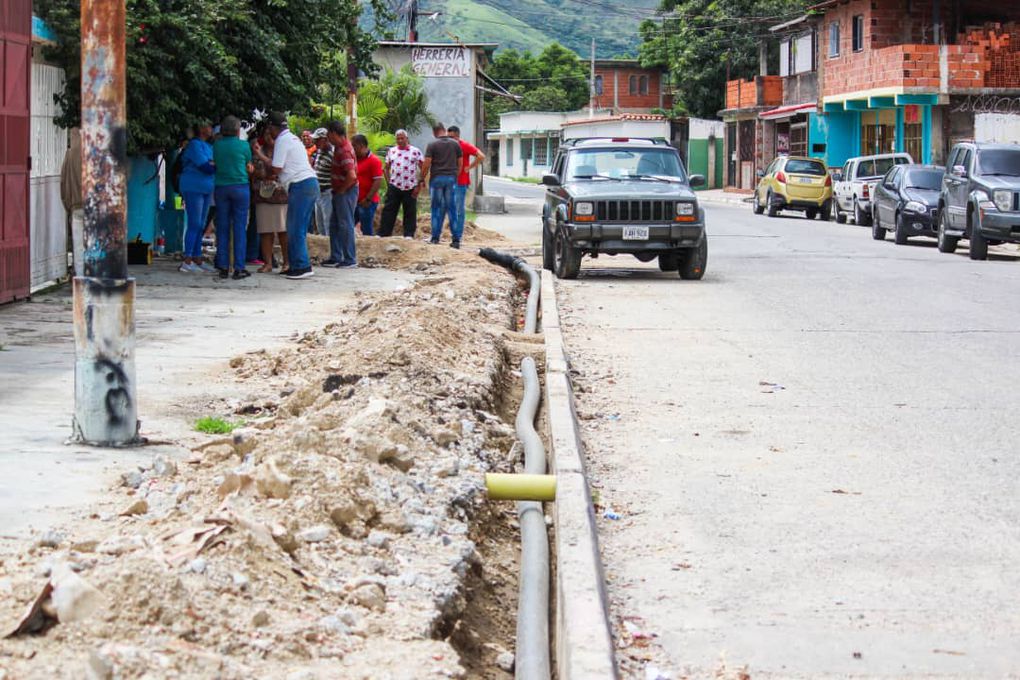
959,171
697,180
759,174
837,177
550,180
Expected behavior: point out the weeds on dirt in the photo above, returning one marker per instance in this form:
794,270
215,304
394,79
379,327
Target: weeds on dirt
214,425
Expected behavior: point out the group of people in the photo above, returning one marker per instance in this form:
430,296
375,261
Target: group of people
280,187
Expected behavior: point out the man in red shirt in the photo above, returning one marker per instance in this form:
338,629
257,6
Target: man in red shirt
345,199
370,176
468,150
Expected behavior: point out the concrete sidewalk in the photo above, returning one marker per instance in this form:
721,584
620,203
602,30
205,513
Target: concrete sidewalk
188,327
724,197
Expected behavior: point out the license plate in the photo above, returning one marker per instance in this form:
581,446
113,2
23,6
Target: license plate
805,180
635,233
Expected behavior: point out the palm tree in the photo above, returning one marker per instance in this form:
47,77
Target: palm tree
403,94
372,111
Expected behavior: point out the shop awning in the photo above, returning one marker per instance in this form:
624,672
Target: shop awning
786,111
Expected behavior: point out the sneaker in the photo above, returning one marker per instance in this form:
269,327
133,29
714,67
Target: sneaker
351,265
206,267
241,274
306,273
188,268
408,238
329,263
283,272
455,245
224,273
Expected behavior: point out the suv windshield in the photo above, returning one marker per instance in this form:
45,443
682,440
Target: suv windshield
924,179
999,162
624,163
797,167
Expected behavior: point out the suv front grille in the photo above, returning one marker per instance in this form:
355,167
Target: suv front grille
635,211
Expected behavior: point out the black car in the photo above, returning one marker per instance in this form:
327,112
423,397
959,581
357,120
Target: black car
614,196
906,201
980,197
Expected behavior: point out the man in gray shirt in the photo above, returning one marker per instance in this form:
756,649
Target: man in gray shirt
441,166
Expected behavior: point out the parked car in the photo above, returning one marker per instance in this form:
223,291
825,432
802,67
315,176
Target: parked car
907,202
854,184
794,183
980,197
622,196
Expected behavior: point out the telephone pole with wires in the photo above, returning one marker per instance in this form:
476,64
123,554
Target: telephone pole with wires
591,82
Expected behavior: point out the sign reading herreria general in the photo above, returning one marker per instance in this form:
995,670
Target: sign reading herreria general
441,62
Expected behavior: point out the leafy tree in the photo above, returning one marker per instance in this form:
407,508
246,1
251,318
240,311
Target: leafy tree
403,94
696,39
189,60
555,79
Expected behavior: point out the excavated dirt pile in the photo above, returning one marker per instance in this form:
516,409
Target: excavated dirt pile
336,535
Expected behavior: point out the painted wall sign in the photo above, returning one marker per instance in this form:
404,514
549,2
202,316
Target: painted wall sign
441,62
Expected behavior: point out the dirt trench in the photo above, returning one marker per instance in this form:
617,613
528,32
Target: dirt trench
342,532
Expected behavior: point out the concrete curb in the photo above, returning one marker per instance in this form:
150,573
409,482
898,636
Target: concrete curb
734,199
583,638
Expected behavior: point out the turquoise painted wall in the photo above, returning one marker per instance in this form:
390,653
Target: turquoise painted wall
142,198
840,132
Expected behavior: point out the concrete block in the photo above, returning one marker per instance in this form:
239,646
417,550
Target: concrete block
564,440
490,204
550,310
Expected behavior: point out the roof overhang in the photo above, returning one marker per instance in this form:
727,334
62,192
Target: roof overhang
787,111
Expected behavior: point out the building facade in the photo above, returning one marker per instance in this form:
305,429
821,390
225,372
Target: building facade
859,77
624,86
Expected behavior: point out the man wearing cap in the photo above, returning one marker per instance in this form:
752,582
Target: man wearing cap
322,161
291,168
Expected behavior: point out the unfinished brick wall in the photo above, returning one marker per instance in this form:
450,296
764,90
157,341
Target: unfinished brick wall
613,76
757,91
999,48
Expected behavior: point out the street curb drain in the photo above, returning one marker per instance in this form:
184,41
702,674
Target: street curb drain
583,639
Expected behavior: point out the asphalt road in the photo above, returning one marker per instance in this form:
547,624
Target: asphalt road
499,186
812,451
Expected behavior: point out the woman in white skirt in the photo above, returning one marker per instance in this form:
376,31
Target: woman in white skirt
270,206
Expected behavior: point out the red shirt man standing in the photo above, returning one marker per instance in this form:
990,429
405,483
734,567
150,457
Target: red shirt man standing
470,159
370,176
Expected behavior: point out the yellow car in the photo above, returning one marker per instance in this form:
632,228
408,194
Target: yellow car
794,183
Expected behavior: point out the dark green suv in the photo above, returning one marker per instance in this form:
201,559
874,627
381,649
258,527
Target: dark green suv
615,196
980,197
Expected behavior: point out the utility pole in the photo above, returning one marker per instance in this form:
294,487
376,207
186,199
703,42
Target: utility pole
352,77
105,392
412,22
591,82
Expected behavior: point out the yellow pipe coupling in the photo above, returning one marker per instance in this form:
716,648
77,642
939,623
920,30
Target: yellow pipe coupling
513,487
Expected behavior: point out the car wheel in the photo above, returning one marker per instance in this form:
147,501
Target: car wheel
669,262
978,244
826,213
840,215
901,231
947,243
548,251
756,205
568,258
695,260
773,208
811,213
860,217
877,230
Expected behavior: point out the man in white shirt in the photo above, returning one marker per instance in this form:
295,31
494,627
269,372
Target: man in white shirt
290,165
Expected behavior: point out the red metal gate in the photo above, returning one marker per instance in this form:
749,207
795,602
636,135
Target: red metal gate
15,69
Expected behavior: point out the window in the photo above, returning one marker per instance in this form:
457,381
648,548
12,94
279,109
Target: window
658,162
1000,162
923,179
834,39
509,152
798,139
598,85
554,146
966,163
542,151
892,176
858,33
632,82
526,143
798,167
643,85
912,133
784,58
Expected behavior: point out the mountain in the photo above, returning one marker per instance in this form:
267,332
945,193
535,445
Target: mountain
533,24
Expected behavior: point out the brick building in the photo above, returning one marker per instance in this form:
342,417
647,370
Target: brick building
624,86
871,76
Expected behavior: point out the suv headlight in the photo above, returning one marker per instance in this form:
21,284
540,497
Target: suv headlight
684,209
1003,199
584,208
915,206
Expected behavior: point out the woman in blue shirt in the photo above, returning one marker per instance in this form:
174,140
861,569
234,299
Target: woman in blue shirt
198,177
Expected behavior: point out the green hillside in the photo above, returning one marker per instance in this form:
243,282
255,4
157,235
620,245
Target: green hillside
533,24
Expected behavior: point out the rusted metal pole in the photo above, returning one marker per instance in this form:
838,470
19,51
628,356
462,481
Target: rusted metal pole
105,403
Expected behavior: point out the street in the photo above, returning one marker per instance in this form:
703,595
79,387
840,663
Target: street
811,453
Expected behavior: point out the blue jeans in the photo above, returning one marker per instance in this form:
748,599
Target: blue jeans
300,204
196,209
232,222
341,227
460,196
441,193
366,218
